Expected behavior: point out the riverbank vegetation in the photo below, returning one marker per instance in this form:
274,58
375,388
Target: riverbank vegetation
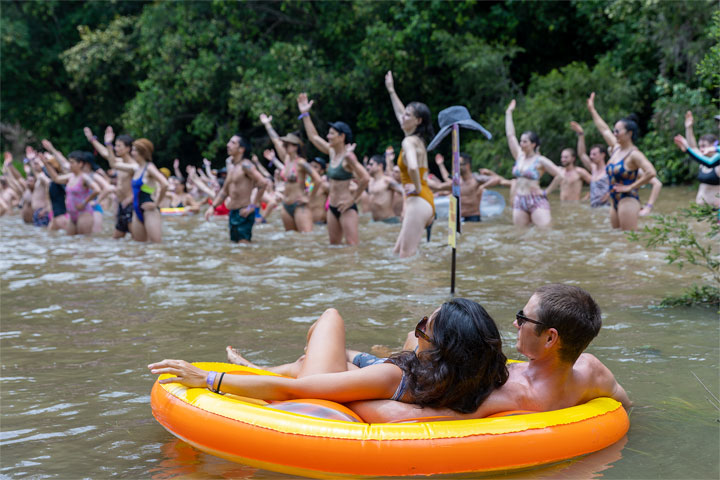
189,74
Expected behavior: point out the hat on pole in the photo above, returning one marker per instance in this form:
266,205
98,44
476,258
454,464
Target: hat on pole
452,115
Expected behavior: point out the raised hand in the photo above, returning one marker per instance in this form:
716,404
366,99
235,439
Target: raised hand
439,159
350,147
47,145
511,107
591,102
269,154
681,142
389,83
88,134
7,157
689,120
577,128
206,162
30,152
109,135
265,119
304,105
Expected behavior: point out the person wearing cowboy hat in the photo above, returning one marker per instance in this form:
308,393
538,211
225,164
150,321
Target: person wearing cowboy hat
296,214
343,168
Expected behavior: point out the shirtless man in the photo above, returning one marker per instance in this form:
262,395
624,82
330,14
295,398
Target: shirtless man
242,177
554,327
382,189
571,178
123,187
470,191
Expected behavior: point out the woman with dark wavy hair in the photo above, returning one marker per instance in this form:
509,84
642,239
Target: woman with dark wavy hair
457,364
419,210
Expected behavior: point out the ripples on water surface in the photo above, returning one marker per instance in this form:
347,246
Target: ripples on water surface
82,317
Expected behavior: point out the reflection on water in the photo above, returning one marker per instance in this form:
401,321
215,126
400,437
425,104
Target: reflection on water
80,319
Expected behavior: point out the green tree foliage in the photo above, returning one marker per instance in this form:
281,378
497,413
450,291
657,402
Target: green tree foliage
188,74
709,67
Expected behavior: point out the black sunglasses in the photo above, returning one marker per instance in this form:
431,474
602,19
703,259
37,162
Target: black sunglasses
521,319
420,330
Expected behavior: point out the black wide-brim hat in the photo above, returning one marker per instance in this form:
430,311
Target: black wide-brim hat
452,115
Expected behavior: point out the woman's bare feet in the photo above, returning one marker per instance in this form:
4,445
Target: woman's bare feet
234,357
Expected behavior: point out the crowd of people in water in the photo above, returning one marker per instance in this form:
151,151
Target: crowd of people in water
71,193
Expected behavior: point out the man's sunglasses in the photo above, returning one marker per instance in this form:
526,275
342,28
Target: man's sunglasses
521,318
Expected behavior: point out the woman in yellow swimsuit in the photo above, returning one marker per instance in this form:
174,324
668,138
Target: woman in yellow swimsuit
419,210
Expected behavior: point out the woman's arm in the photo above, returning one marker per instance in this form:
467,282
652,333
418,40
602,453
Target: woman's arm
94,190
510,131
274,137
304,106
654,194
600,123
581,148
549,166
375,381
397,105
689,132
54,176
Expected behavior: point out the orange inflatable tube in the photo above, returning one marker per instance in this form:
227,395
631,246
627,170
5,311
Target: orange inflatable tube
255,433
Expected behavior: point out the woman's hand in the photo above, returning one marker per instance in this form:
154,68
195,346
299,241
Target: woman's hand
350,147
689,120
591,102
304,105
681,142
439,159
577,128
265,120
622,188
88,134
410,189
389,84
511,107
185,373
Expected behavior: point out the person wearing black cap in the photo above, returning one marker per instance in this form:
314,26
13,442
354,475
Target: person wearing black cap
419,210
342,215
295,213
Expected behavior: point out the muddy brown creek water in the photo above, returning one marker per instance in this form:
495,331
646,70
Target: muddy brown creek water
80,318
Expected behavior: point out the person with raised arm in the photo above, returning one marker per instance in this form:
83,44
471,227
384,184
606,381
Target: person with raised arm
530,204
242,177
571,178
708,176
342,215
40,199
146,180
595,163
296,214
319,190
419,208
123,189
623,168
80,190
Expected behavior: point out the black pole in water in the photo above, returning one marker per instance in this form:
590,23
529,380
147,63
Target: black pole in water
454,212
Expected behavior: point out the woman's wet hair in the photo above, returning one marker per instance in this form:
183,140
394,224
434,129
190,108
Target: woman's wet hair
631,124
533,137
463,364
425,130
145,148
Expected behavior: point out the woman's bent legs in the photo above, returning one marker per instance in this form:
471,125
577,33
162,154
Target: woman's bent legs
418,215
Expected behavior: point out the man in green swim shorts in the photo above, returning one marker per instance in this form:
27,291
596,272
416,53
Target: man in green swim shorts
243,183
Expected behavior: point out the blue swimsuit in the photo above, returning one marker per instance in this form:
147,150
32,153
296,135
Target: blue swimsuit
141,194
618,174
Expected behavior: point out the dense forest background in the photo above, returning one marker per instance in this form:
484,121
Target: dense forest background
187,75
